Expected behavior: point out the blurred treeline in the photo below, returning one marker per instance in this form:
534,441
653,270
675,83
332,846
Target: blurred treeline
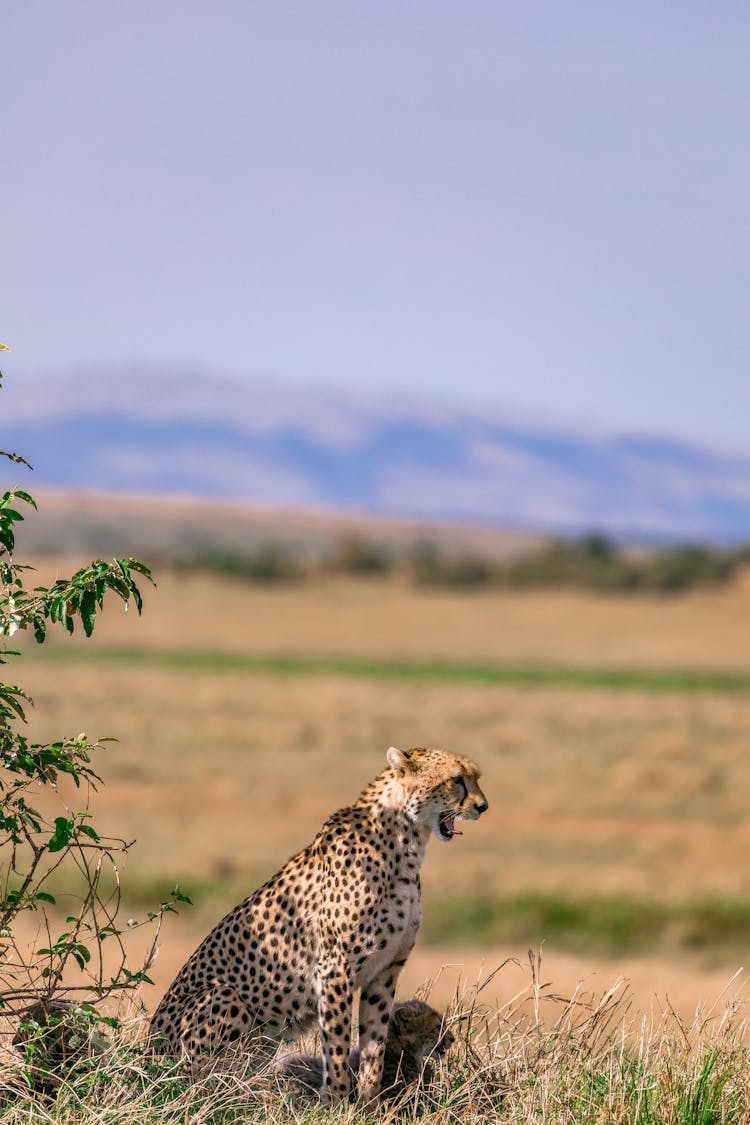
592,562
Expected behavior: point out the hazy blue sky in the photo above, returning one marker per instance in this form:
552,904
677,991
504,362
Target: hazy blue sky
539,205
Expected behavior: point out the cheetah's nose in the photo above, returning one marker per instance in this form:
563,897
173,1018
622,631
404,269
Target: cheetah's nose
481,807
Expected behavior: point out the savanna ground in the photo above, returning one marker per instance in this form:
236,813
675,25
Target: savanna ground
613,737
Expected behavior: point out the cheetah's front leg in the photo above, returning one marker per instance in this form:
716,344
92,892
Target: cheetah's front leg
335,998
375,1003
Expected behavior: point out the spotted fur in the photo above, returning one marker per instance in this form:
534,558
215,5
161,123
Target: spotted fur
340,915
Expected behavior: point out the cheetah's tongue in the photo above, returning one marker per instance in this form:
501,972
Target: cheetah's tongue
448,824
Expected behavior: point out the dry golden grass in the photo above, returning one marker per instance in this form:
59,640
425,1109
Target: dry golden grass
590,790
536,1055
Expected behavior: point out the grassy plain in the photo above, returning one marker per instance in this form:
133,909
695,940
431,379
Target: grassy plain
612,732
613,735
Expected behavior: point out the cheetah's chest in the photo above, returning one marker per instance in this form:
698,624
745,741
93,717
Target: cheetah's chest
394,932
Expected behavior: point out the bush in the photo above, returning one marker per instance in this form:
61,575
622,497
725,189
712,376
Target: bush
429,567
37,845
353,554
680,568
593,562
270,563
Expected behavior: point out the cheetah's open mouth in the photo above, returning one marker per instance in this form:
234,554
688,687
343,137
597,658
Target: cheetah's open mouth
447,824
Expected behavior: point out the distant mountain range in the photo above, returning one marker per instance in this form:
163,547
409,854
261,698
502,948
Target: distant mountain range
165,433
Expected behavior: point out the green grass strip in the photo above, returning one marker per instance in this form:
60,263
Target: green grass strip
608,925
384,668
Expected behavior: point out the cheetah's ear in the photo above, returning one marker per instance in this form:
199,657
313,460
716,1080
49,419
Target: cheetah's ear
398,760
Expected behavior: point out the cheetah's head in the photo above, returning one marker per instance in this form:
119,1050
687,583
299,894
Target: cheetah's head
439,789
418,1031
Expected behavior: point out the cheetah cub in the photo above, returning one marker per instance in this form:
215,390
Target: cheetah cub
416,1033
57,1037
341,916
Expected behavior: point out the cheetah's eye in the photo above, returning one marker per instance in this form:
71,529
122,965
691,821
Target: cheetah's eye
459,781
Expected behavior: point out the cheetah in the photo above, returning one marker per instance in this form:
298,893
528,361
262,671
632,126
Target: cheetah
340,916
57,1037
416,1033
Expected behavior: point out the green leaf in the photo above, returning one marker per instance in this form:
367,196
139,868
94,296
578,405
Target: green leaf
42,896
9,702
136,596
140,567
88,612
81,955
25,495
178,896
62,835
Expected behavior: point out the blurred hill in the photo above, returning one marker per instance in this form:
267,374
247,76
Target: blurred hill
162,433
183,528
